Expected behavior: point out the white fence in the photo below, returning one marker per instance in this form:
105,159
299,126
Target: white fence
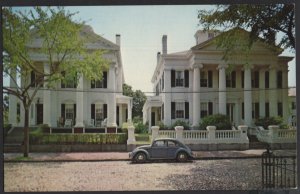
276,135
210,136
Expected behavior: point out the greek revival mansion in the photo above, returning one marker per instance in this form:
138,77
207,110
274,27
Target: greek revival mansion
192,84
100,104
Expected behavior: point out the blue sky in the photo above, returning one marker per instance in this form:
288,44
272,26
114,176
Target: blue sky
141,29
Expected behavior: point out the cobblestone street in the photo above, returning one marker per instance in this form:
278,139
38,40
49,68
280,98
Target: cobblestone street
123,175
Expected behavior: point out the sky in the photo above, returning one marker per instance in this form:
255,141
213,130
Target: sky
141,29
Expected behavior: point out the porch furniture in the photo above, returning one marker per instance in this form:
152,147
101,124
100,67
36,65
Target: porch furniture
104,123
68,123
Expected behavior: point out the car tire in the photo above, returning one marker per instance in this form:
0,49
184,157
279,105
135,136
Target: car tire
181,157
140,157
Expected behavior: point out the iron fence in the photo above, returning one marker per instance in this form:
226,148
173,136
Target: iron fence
278,171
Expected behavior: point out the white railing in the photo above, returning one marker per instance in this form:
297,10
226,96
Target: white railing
195,135
167,133
228,134
276,135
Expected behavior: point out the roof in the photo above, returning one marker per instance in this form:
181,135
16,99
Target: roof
182,53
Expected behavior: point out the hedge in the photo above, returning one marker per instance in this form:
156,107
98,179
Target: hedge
108,138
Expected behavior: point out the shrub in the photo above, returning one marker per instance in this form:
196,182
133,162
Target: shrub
139,126
266,121
162,126
221,122
186,125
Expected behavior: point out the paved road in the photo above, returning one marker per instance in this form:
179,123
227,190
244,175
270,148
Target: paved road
123,175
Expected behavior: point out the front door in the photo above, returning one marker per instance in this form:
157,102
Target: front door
152,118
39,114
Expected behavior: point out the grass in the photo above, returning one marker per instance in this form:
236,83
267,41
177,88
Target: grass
22,158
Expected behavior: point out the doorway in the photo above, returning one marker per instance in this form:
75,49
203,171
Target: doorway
152,118
39,114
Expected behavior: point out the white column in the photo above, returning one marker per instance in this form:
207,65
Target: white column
79,103
46,99
149,117
222,89
168,98
121,115
12,116
196,95
262,95
285,101
112,97
129,108
247,96
273,99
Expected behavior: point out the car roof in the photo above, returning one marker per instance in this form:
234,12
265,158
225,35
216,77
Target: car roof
166,138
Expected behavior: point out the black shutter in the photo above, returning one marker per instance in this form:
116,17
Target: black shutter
172,78
62,82
186,78
267,79
32,79
210,79
62,111
256,79
256,110
93,111
162,112
279,109
126,115
279,79
172,110
186,111
267,109
242,78
93,84
74,113
105,110
233,80
105,79
243,111
210,108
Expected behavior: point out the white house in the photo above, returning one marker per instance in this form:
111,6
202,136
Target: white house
88,103
192,84
293,109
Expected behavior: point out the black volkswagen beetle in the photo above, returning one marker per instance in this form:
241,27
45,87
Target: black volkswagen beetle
163,148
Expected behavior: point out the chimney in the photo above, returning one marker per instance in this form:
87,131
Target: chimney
158,55
164,45
118,39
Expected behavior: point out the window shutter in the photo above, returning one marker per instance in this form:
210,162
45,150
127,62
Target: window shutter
243,111
172,110
233,79
126,115
105,79
172,78
62,82
256,77
186,110
267,79
210,79
74,113
62,111
256,110
162,112
105,110
267,109
186,78
242,78
93,111
210,108
279,79
32,79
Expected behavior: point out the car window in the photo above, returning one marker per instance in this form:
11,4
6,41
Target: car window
172,144
159,144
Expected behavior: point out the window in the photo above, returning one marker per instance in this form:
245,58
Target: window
266,79
98,114
157,90
162,112
231,79
293,105
68,83
163,81
179,110
159,144
35,79
203,79
279,79
255,79
172,144
100,83
179,78
18,112
69,111
255,110
204,109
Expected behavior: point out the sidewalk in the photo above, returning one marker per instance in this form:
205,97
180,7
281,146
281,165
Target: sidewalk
123,156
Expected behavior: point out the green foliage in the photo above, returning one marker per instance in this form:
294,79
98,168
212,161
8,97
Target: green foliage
108,138
162,126
221,122
138,100
263,20
266,121
183,123
139,126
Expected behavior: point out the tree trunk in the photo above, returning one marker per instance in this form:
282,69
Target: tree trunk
26,132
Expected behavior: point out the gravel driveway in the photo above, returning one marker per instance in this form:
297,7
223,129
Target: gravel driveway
121,175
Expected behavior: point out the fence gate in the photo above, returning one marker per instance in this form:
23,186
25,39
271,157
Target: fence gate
278,171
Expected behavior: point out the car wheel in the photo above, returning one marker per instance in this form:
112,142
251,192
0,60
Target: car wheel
140,157
181,157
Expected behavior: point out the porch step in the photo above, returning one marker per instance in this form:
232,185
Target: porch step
16,136
254,143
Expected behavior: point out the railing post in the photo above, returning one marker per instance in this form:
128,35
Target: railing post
211,133
179,133
154,130
131,137
244,137
273,132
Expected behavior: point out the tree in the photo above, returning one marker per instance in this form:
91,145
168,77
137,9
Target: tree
263,21
62,46
5,108
139,99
